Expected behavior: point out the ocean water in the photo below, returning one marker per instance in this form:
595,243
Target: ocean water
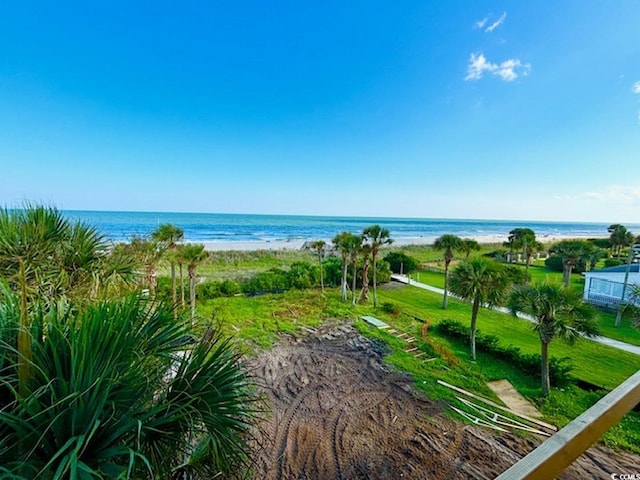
216,227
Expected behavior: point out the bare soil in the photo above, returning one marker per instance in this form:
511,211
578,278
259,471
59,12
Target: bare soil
337,412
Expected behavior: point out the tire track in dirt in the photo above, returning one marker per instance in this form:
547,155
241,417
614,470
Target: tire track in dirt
338,413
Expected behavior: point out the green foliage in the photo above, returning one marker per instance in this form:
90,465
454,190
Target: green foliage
116,394
556,264
613,262
217,288
390,308
529,363
271,281
401,262
302,275
332,271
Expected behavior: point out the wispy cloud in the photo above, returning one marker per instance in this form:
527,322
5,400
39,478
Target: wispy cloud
636,87
616,194
497,23
508,70
481,23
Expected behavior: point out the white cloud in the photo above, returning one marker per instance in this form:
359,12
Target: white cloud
508,70
636,87
616,194
481,23
497,23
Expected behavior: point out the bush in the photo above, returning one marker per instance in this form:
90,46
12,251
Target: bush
554,263
613,262
390,308
303,275
401,262
559,368
272,281
332,269
216,288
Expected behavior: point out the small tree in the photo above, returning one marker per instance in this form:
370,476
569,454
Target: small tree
481,282
620,237
192,255
449,244
346,242
376,237
559,313
318,247
468,245
169,235
401,262
572,252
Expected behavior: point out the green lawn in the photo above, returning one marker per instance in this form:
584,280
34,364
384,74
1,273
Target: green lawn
594,363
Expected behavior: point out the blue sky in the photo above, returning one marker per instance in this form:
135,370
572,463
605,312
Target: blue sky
501,110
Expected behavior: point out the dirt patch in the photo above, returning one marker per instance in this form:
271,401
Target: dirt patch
337,412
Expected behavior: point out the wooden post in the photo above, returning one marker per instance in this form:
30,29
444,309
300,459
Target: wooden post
559,451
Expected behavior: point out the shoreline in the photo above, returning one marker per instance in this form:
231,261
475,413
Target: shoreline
296,244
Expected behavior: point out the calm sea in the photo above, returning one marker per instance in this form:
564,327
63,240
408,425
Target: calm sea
215,227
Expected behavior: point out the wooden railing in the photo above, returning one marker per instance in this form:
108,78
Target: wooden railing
559,451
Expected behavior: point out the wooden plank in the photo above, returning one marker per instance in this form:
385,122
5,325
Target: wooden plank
374,321
512,398
559,451
495,405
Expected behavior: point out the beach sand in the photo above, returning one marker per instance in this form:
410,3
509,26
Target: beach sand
296,244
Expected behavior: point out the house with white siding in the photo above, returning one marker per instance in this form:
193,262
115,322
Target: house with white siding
603,288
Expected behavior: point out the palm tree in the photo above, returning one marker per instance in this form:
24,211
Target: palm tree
558,312
365,253
169,235
318,246
620,237
481,282
192,254
354,254
45,256
376,237
148,253
345,242
571,251
448,243
469,245
116,394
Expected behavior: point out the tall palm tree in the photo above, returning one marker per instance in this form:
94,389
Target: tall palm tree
345,242
365,253
354,254
169,235
469,245
376,237
481,282
116,394
571,251
620,237
448,243
192,254
318,246
559,313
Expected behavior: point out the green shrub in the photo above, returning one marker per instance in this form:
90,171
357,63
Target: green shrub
559,368
613,262
332,269
215,288
303,275
554,263
272,281
390,308
400,262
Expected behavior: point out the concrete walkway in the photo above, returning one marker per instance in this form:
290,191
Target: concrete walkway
627,347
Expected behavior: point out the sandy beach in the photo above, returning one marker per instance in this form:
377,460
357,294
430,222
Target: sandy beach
296,244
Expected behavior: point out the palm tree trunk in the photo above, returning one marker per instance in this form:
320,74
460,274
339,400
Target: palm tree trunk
192,294
526,268
173,284
375,296
343,291
353,291
321,273
181,286
544,354
25,355
472,334
364,293
446,278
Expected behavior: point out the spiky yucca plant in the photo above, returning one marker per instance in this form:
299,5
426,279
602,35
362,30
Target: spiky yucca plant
116,393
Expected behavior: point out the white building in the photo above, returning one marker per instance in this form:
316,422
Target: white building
604,287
